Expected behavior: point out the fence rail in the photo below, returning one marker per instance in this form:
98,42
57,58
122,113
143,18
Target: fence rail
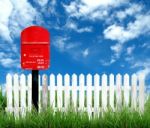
93,94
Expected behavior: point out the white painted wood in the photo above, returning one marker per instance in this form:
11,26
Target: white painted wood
104,92
39,102
141,92
23,94
74,90
44,92
111,91
16,95
29,92
126,90
96,94
67,92
81,91
52,91
118,91
89,94
134,92
59,91
20,84
9,93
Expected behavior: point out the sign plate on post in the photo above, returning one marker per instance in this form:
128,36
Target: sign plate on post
35,48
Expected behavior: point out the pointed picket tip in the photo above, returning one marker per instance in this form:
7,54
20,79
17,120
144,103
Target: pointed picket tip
52,76
74,75
52,79
15,75
96,78
29,79
141,76
118,76
81,80
81,76
134,75
96,75
9,75
126,75
104,76
29,75
111,75
104,80
89,76
22,80
59,76
67,75
22,75
44,77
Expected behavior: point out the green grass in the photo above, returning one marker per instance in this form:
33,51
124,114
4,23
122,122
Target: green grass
47,119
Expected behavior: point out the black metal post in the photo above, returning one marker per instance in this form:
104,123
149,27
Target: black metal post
35,88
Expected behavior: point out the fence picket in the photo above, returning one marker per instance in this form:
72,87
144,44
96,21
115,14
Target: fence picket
141,92
126,90
16,95
44,92
23,94
39,101
118,91
81,92
52,91
74,90
9,93
89,94
111,91
67,94
29,92
104,92
96,94
134,92
59,91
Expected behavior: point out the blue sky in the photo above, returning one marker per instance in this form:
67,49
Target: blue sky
87,36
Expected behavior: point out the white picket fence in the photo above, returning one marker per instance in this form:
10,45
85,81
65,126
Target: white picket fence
93,94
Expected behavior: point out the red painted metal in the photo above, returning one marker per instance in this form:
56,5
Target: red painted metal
35,48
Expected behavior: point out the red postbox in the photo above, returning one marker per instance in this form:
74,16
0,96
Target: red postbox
35,48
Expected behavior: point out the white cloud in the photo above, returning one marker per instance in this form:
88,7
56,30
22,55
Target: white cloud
85,53
72,25
133,30
115,32
107,63
5,12
133,9
130,50
117,48
91,9
63,44
9,63
14,16
146,45
145,65
7,60
42,2
121,34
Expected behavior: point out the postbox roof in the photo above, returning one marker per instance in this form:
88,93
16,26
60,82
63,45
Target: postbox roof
35,34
